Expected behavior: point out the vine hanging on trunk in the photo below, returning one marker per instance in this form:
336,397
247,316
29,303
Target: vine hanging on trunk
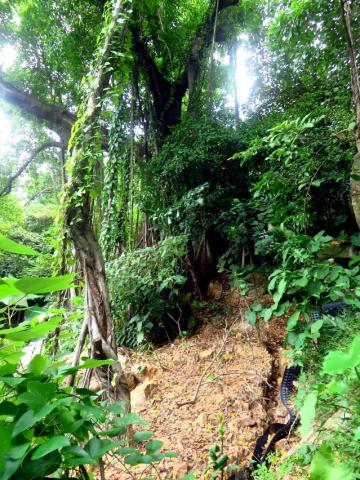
80,194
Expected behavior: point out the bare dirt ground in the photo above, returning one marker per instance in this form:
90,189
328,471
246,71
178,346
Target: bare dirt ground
227,367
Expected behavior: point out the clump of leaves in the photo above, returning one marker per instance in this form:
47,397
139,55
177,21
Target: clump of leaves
144,286
305,283
218,464
300,164
334,394
46,427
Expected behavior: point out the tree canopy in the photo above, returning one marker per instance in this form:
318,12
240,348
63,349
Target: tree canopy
135,168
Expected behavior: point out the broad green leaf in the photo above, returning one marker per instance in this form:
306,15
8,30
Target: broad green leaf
301,282
316,326
337,361
13,247
35,285
142,436
41,467
52,444
293,320
153,446
76,451
138,459
337,387
112,432
38,395
75,461
125,451
28,332
267,314
282,286
19,451
8,468
44,284
160,456
37,365
97,448
91,363
307,413
324,466
314,288
133,459
26,421
132,419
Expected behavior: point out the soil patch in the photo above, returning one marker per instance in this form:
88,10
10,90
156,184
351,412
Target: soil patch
233,365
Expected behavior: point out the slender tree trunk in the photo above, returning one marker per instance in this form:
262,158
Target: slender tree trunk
78,219
355,84
132,159
212,60
233,69
9,184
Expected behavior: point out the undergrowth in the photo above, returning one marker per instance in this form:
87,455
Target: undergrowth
144,287
329,405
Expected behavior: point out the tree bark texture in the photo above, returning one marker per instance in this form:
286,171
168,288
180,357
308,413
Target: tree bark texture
78,218
355,84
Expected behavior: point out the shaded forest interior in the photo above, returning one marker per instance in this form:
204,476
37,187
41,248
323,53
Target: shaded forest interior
179,198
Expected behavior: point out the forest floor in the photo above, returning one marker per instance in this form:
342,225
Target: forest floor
226,367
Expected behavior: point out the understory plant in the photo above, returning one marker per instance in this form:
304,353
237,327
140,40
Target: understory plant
144,287
218,459
47,427
295,167
330,408
303,283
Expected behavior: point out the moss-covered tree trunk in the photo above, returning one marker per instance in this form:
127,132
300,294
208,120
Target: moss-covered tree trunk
81,193
355,84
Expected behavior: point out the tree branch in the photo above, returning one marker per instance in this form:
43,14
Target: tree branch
201,43
58,119
38,194
7,189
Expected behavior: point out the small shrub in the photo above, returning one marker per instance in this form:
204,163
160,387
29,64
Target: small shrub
46,427
334,394
305,283
144,288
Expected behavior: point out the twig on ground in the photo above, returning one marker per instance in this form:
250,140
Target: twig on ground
191,402
163,367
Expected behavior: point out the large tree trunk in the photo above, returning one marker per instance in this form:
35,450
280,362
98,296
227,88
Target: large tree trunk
355,84
199,49
167,96
78,219
97,311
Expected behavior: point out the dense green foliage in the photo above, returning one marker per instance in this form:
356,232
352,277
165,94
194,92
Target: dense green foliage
171,180
145,292
47,427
